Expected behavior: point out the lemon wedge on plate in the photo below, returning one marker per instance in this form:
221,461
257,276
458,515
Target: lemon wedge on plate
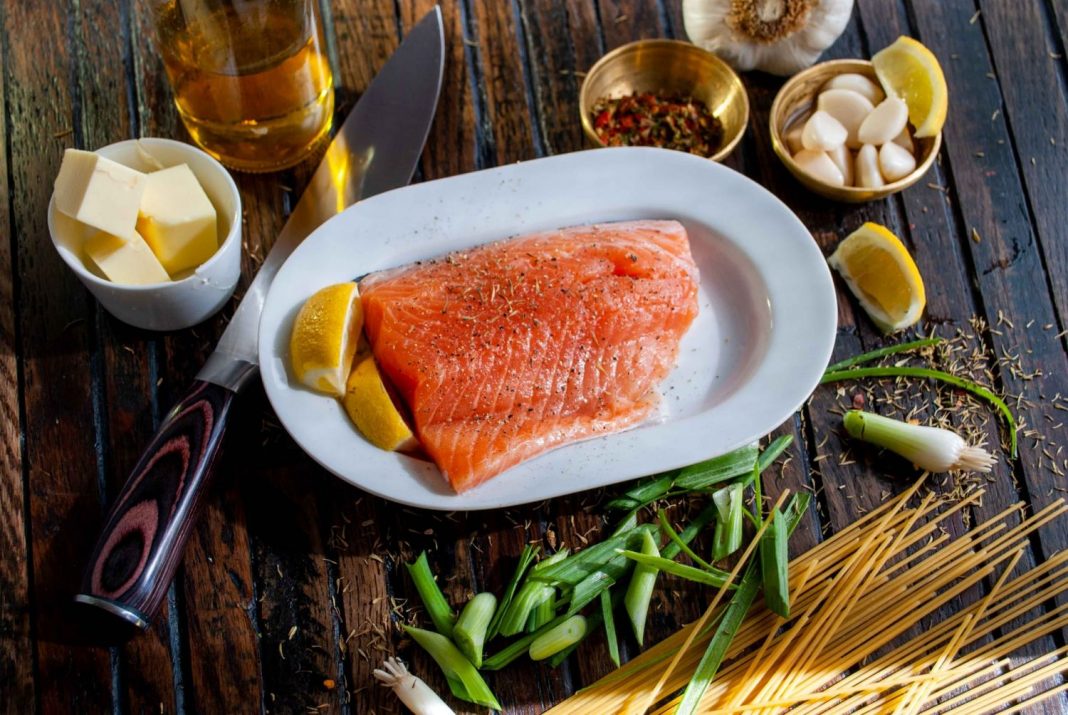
325,334
911,71
371,408
882,275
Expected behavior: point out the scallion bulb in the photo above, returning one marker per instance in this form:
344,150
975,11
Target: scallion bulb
413,692
930,448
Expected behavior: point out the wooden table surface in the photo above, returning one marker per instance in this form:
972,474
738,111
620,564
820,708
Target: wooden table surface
291,585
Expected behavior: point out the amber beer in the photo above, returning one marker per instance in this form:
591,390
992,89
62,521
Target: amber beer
251,78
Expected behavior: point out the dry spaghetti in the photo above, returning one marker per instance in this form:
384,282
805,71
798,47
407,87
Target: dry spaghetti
855,595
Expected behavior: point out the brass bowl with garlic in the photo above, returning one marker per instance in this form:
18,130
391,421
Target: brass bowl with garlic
668,68
838,133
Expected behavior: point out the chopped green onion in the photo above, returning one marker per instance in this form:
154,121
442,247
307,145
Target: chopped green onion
695,527
437,607
542,613
610,626
772,451
529,596
717,647
595,584
930,448
640,589
628,522
883,352
720,469
670,532
526,557
464,680
774,564
558,638
729,528
505,656
592,622
550,560
967,385
648,490
469,633
690,573
578,566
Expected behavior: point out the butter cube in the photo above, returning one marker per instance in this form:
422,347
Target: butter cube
124,260
99,192
177,219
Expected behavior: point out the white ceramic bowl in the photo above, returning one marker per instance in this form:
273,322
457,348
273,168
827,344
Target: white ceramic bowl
182,303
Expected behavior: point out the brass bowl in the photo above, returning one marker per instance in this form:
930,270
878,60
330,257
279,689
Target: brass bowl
668,67
796,100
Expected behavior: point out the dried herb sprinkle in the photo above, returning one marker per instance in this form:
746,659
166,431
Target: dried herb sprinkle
648,119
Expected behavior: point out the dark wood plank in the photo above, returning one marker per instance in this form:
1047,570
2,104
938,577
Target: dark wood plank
500,72
16,640
126,354
56,331
1006,259
624,21
1036,116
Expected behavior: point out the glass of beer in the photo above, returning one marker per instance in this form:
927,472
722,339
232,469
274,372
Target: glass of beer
251,78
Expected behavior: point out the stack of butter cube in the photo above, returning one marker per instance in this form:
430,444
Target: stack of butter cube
137,228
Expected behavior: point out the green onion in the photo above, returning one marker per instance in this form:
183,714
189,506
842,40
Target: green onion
728,534
646,491
558,638
772,451
774,564
967,385
464,680
720,469
550,560
578,566
930,448
690,573
700,522
437,607
542,613
526,557
505,656
595,584
666,527
610,626
628,522
640,589
883,352
592,622
518,615
469,633
728,626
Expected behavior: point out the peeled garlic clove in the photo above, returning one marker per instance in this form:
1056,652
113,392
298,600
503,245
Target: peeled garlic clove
793,138
904,139
823,132
857,83
867,168
895,162
843,159
849,108
819,166
885,122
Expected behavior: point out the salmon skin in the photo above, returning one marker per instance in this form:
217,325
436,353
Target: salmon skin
510,349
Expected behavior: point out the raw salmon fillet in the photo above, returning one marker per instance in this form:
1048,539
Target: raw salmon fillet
508,350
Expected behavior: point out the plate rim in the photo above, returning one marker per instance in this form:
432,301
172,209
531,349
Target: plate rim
821,283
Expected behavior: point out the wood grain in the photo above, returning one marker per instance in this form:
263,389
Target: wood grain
16,639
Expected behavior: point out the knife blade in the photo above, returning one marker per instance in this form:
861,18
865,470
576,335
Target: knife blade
376,149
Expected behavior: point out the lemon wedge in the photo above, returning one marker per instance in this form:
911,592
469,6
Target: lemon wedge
325,334
372,410
911,71
882,275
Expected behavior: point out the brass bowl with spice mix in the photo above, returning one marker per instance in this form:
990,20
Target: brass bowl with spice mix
664,93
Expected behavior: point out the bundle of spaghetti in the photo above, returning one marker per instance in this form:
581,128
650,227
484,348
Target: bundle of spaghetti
855,597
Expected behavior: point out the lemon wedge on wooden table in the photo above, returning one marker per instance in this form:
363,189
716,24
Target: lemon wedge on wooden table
325,334
882,275
911,71
371,408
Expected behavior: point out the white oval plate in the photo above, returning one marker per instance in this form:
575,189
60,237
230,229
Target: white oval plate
755,352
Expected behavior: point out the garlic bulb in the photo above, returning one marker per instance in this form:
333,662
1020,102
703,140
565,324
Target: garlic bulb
777,36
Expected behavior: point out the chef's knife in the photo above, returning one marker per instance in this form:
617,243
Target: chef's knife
375,150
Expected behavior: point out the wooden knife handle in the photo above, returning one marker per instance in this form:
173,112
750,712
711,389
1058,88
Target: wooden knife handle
145,532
